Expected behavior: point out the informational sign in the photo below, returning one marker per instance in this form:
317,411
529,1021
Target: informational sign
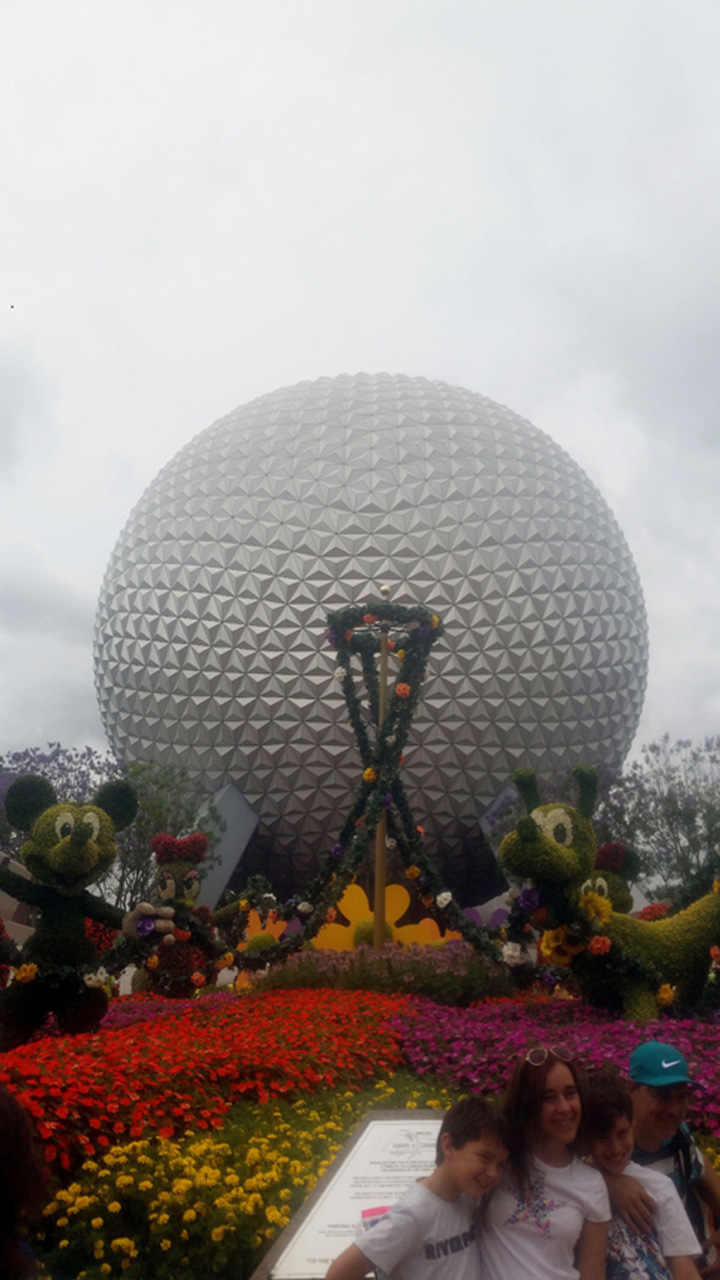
371,1172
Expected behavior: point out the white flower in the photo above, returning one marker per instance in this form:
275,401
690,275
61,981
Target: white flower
97,979
305,908
340,673
390,843
443,900
390,739
513,954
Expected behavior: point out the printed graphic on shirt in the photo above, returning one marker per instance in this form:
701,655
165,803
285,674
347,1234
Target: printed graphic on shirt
536,1208
634,1257
453,1244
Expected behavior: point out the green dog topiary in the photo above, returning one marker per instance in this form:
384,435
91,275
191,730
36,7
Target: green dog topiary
618,961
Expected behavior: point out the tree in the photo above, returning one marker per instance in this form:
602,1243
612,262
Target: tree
168,799
667,806
170,802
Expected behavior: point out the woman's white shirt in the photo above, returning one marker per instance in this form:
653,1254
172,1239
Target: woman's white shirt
536,1235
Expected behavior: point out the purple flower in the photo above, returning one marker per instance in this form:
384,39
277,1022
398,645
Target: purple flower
145,926
529,900
337,851
388,799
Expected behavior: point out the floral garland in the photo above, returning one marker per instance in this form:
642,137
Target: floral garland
356,632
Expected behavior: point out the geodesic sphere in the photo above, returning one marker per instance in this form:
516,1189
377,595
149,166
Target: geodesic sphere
210,648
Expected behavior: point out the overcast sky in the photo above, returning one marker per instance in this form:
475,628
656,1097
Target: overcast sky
202,202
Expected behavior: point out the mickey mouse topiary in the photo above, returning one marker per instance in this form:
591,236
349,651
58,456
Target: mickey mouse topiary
68,847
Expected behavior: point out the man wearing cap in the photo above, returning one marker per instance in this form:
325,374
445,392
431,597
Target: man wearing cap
660,1084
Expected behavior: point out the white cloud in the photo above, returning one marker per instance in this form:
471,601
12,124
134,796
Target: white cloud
205,203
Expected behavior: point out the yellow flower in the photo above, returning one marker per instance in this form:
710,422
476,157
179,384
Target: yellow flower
370,774
597,908
96,1224
114,1207
665,995
165,1244
189,1215
434,622
25,973
152,962
412,872
716,886
556,948
243,904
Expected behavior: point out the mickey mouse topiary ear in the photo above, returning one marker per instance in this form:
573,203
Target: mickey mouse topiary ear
119,800
525,782
26,798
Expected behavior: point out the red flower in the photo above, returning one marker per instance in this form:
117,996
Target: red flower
186,1068
653,911
599,945
402,690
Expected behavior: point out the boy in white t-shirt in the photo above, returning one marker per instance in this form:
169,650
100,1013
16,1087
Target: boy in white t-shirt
669,1249
430,1233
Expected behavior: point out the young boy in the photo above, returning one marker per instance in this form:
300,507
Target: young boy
668,1250
430,1233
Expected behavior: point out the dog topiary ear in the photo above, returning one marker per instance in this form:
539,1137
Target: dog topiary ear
526,783
119,800
27,797
587,780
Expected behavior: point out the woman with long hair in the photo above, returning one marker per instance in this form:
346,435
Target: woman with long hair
22,1188
549,1217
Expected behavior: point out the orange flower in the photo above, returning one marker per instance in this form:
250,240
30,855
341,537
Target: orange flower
370,774
402,690
198,979
330,915
348,636
369,618
715,955
412,872
152,962
420,830
599,945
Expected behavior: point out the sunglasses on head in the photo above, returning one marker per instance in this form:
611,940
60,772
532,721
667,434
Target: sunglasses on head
536,1057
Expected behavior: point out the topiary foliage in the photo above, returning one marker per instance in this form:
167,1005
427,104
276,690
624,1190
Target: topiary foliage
68,847
355,633
619,962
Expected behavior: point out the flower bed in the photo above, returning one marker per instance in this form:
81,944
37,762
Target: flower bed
476,1048
212,1203
162,1077
451,974
207,1122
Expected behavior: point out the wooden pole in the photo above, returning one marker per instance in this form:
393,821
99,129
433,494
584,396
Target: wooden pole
381,829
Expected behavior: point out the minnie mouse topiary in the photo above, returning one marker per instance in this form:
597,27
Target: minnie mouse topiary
190,949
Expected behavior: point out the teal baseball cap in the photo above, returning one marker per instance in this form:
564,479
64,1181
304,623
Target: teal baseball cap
658,1065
